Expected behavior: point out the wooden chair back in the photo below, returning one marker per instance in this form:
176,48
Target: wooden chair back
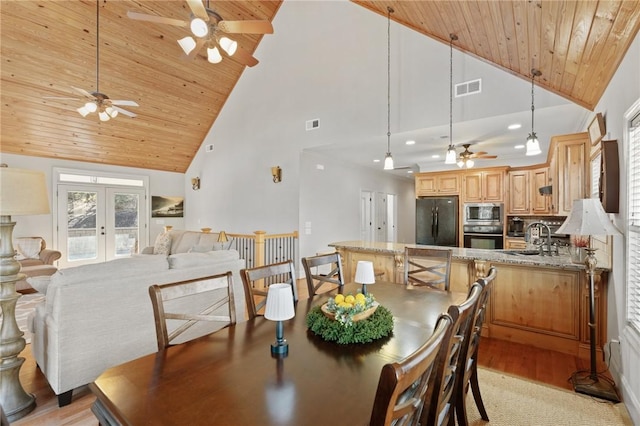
468,364
441,396
328,281
403,385
257,281
427,267
189,309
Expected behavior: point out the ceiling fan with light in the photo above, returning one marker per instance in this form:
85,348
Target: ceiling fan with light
209,29
466,157
97,101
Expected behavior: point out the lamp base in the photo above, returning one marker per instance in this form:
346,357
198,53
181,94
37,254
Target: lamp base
280,348
594,387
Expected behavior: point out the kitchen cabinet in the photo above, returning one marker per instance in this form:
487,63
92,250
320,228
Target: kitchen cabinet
514,243
485,186
572,174
524,192
430,184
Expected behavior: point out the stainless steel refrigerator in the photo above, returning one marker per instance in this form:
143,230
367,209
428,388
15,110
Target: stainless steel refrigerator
437,221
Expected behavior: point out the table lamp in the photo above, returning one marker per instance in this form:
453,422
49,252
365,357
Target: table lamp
222,237
279,308
22,192
587,217
365,274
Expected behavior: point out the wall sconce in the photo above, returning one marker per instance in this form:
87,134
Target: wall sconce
276,172
195,183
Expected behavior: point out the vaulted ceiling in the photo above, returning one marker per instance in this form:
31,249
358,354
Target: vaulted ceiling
50,46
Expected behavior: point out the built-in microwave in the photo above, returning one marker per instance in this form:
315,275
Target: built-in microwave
483,214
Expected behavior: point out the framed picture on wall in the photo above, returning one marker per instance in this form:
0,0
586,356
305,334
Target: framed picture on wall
596,129
164,206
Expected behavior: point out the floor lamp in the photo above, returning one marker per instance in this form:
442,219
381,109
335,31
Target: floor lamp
587,217
22,192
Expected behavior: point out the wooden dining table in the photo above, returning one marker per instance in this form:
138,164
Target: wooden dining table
231,378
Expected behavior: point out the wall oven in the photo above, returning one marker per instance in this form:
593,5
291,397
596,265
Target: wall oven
483,225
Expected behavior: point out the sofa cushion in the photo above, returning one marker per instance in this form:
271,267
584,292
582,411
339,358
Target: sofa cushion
162,244
182,241
40,283
189,260
118,268
28,248
200,249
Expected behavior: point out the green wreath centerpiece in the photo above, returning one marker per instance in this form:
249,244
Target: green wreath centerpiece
351,319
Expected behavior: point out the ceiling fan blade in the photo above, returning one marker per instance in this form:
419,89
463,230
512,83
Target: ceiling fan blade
244,57
246,27
124,103
487,157
83,92
124,111
60,98
198,9
157,19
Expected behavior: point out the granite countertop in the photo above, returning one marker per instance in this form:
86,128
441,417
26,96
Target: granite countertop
500,256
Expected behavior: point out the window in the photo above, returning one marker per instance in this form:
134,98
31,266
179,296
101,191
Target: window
633,213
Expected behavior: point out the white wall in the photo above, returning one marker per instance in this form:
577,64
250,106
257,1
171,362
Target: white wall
621,93
160,183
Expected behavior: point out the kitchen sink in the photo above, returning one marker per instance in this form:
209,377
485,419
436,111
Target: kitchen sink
522,252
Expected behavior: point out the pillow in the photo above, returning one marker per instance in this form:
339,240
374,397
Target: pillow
40,283
28,248
162,244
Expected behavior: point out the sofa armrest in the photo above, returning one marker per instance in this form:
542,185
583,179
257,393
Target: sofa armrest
147,250
49,256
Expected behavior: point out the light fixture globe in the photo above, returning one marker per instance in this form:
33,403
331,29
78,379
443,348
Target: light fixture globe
451,156
533,146
91,106
187,44
199,28
228,45
388,161
213,55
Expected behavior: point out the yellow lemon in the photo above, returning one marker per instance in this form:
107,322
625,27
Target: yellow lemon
349,299
360,296
339,298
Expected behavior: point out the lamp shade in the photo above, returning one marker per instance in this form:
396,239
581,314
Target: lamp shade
587,217
222,237
364,272
22,192
279,302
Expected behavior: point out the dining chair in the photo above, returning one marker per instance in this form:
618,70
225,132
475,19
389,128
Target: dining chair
468,364
403,385
257,281
334,278
189,309
440,398
427,267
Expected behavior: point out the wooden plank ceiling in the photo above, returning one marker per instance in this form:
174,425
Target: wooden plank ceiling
49,46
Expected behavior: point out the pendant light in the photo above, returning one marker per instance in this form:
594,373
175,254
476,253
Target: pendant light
533,146
451,152
388,159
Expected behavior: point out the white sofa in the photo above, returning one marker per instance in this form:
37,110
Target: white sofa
98,316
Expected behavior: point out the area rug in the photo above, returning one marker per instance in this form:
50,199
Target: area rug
513,401
25,305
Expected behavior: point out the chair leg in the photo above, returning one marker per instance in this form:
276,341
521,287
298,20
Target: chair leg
461,406
475,388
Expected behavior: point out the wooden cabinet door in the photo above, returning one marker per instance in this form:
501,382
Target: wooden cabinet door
540,204
449,184
492,184
473,187
426,186
518,192
572,176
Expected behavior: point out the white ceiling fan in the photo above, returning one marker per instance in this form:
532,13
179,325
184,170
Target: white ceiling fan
209,29
97,101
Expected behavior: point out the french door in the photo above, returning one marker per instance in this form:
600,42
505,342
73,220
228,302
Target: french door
97,223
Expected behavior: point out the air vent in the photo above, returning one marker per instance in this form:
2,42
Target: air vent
312,124
469,88
208,148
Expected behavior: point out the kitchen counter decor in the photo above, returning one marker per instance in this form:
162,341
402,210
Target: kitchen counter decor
350,319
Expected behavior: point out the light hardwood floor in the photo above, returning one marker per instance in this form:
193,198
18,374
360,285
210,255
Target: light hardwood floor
545,366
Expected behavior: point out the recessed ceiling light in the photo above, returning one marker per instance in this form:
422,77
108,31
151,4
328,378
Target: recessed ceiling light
376,161
435,156
409,171
410,142
519,146
514,126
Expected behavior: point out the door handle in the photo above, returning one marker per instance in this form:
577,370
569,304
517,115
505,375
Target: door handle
436,223
102,230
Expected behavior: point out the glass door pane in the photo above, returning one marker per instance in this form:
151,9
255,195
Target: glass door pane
125,208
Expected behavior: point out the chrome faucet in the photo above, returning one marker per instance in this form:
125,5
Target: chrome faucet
549,249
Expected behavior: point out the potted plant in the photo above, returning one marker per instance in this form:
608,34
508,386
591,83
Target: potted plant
577,249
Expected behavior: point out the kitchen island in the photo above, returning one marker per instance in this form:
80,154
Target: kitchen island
538,300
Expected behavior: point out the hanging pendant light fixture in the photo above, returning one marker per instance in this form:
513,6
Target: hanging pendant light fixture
533,146
451,152
388,159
